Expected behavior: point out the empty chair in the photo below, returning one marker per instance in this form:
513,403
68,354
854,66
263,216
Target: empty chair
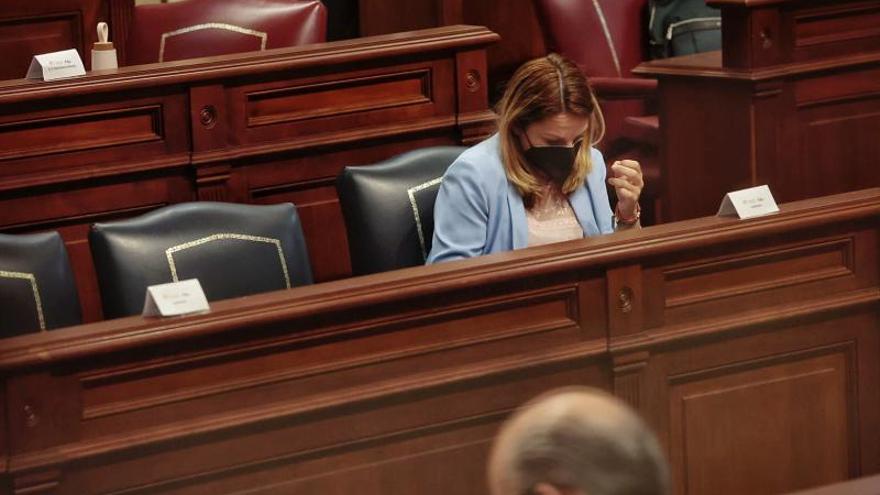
389,208
233,249
201,28
37,288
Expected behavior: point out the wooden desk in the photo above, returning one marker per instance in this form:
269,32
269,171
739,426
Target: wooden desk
752,347
869,485
516,21
255,128
793,101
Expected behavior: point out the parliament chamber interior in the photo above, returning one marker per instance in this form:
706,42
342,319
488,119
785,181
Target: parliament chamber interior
287,154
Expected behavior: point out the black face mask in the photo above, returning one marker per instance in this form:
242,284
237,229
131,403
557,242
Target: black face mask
555,161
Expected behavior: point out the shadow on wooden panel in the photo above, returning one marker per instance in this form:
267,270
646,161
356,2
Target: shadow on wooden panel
727,423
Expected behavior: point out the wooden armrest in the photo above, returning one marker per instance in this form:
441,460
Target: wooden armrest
644,129
623,87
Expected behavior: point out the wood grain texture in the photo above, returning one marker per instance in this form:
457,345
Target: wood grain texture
89,131
812,388
792,102
37,34
32,28
516,21
398,381
253,128
832,30
861,486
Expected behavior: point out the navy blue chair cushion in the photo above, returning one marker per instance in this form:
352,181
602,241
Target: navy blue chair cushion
233,249
37,288
388,208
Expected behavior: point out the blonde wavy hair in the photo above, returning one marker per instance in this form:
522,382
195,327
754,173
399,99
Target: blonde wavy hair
542,88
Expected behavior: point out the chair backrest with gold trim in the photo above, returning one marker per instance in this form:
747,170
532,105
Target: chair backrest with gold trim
202,28
389,208
233,249
37,288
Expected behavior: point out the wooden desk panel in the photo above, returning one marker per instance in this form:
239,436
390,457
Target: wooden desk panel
716,330
252,128
805,131
791,101
516,21
869,485
62,140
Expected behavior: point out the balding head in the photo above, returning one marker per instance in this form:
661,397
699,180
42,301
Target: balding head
576,441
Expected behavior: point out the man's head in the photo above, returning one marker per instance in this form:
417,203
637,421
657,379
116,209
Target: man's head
576,441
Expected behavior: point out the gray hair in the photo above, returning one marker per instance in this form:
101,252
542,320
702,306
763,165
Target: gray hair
578,439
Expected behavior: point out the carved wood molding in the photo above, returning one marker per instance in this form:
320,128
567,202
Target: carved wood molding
291,410
629,371
195,71
167,162
375,371
678,335
343,295
708,65
37,482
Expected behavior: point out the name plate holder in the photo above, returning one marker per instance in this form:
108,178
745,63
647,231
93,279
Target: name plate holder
748,203
175,299
56,65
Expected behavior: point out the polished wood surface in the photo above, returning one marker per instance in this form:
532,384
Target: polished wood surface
791,101
255,128
869,485
750,346
30,28
515,21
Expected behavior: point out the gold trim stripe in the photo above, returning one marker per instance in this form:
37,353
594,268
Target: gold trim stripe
415,209
37,299
607,32
169,253
264,37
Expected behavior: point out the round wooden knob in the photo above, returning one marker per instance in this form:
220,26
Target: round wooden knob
625,300
208,116
30,416
766,39
472,81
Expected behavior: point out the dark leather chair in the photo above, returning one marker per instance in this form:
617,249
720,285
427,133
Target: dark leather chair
37,288
607,39
389,208
202,28
233,249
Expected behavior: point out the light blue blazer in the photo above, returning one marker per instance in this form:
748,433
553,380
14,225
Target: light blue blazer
479,212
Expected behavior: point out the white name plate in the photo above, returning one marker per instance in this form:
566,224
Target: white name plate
748,203
56,65
174,299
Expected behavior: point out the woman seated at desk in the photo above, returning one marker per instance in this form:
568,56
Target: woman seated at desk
539,179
